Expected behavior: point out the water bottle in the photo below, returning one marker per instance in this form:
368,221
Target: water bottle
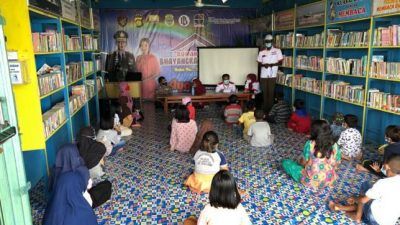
193,90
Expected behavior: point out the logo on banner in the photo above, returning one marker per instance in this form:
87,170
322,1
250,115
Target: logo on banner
198,20
138,20
122,20
184,20
153,18
169,20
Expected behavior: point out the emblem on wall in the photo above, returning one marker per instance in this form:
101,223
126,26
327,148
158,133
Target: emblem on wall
138,20
169,20
122,20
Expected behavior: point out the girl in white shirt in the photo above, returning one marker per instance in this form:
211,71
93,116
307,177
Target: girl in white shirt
110,137
224,207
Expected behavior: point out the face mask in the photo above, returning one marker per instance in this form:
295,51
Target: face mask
383,171
248,80
387,140
268,45
226,82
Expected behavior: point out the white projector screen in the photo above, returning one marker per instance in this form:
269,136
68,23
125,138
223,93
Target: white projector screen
237,62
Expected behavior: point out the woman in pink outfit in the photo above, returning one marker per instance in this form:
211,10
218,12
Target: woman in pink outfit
149,66
183,130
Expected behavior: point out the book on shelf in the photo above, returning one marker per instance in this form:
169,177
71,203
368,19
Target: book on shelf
78,97
384,70
384,101
87,41
68,10
355,67
343,91
49,41
316,40
287,61
339,38
96,43
387,36
378,58
284,40
53,118
49,78
90,83
71,43
284,79
98,64
87,67
74,72
310,62
85,14
308,84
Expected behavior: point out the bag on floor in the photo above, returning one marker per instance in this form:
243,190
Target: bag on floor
100,193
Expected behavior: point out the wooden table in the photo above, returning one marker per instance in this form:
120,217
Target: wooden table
207,97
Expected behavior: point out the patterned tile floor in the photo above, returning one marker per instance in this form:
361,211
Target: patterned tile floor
147,179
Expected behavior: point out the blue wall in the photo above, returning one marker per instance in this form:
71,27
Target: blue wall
35,165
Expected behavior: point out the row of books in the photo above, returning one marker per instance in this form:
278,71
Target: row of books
316,40
90,89
74,72
387,36
343,91
339,38
284,79
284,40
50,81
307,84
78,97
53,118
355,67
72,43
385,70
49,41
287,61
87,67
87,41
310,62
384,101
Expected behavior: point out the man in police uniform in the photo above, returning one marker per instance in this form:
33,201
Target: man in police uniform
120,61
269,59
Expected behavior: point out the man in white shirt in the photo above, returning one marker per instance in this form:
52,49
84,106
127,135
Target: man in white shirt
226,86
269,59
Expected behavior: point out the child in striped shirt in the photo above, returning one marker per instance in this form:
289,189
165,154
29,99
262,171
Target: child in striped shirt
233,111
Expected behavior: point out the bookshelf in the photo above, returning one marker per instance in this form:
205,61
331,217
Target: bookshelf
64,73
357,70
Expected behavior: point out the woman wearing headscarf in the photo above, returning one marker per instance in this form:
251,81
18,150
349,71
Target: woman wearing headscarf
253,86
205,126
149,65
70,204
199,88
91,151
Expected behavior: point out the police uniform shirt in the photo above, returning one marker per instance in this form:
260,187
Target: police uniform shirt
272,56
230,88
125,61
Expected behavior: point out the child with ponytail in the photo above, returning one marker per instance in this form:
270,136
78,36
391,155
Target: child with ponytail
208,161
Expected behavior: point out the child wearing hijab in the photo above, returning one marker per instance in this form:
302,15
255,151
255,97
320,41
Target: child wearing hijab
300,121
199,88
205,126
187,101
252,85
70,203
130,117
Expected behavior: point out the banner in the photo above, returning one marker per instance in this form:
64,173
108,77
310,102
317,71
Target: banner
381,7
311,14
164,42
284,20
342,10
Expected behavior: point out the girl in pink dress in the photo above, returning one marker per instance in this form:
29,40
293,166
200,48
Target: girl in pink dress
183,130
149,66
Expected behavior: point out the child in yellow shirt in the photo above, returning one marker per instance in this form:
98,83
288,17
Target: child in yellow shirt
247,119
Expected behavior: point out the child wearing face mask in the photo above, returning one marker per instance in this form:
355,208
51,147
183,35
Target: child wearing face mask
226,86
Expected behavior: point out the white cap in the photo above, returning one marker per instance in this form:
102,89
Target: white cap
268,37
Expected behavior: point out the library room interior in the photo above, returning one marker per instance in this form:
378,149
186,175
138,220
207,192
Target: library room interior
218,112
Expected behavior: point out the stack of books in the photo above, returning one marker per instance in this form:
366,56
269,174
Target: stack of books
387,36
284,40
355,67
74,72
50,79
384,70
315,41
343,91
308,84
87,41
78,98
284,79
49,41
287,61
53,118
339,38
384,101
87,67
72,43
310,62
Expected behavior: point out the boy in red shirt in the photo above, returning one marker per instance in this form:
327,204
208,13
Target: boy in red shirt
299,121
187,101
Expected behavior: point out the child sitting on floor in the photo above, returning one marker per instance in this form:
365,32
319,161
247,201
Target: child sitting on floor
392,137
378,204
129,115
247,119
350,139
321,156
233,111
260,131
299,121
337,125
187,101
116,111
224,206
280,112
108,136
183,130
208,161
